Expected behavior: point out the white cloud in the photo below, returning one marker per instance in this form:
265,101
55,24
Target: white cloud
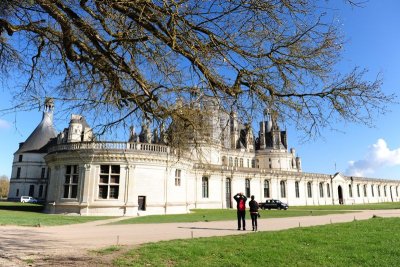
4,124
379,155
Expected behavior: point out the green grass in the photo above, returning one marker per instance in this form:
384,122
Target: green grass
107,250
25,214
209,215
374,206
373,242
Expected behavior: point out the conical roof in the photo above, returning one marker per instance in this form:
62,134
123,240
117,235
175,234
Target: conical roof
40,136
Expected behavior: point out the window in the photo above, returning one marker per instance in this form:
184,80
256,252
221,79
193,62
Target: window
248,163
379,190
71,181
224,161
297,189
358,190
109,181
365,190
309,192
397,191
241,162
17,193
384,190
31,190
350,191
177,177
321,190
204,182
236,162
247,185
372,190
40,190
253,163
266,189
42,175
20,158
283,189
328,190
18,173
230,161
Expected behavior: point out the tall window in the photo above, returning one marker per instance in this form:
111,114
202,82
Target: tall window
297,189
71,181
328,190
309,192
266,189
177,177
350,191
42,175
204,182
321,190
247,184
283,189
109,181
358,190
384,190
17,193
365,190
372,190
236,162
241,162
20,158
379,190
18,173
230,161
397,191
40,190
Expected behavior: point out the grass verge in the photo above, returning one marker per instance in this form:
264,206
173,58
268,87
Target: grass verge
373,242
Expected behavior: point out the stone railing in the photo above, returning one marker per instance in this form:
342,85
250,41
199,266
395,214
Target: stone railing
109,146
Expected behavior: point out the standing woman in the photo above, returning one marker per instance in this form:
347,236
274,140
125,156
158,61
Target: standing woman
253,213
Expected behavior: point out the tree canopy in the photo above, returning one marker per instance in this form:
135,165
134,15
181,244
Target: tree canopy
126,58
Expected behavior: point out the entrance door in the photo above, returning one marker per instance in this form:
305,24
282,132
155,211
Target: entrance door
31,190
228,194
142,202
340,194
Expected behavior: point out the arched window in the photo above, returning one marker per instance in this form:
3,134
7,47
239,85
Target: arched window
224,163
204,182
350,191
247,184
365,190
236,162
283,189
297,189
328,190
266,189
309,192
358,190
372,190
321,190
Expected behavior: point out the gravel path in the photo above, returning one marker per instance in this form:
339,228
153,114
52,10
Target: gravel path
69,245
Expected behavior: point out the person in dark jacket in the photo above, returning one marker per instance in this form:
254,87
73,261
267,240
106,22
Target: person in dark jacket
253,212
241,209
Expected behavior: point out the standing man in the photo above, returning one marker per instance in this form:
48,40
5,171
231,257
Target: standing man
253,212
241,209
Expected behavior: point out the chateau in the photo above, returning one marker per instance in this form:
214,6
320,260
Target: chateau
72,172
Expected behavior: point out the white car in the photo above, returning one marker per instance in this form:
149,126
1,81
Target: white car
27,199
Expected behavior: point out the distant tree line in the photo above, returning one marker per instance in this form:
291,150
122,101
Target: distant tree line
4,186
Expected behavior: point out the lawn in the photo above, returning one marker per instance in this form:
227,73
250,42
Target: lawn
197,215
372,242
26,214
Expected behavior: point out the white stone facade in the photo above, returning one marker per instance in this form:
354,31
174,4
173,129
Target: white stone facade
80,175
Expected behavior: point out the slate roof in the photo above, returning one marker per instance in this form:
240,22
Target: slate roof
41,136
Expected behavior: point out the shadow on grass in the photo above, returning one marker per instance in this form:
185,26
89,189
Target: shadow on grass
16,206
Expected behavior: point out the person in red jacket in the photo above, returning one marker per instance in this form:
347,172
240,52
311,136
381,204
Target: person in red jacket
241,209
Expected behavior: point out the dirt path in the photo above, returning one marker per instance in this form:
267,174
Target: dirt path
70,245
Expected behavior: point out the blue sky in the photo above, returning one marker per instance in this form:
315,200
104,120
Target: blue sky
373,42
